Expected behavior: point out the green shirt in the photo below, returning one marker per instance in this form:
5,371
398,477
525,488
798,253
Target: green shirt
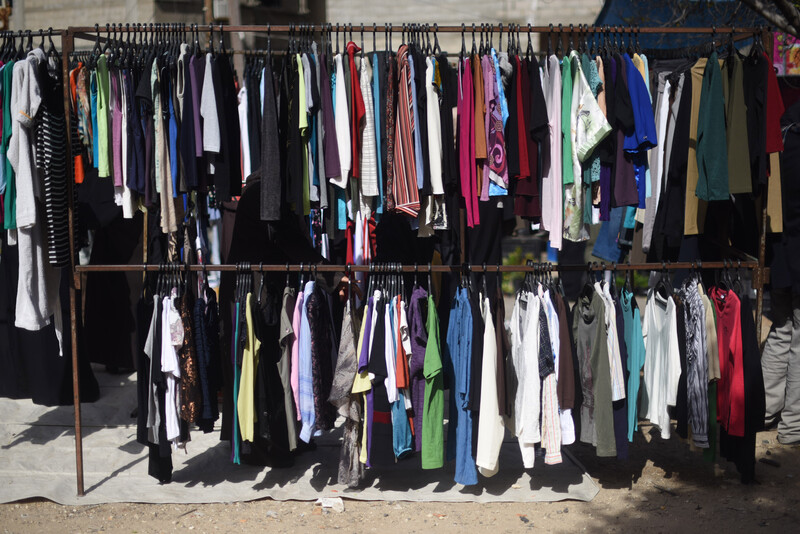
566,121
10,198
433,409
712,146
736,120
103,164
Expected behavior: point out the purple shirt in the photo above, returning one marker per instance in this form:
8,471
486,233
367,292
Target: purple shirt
116,128
419,342
196,70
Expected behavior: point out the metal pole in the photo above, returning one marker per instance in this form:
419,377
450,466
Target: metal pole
762,245
67,45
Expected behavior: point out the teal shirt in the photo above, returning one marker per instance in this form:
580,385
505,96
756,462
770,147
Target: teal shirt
566,106
712,144
635,344
10,196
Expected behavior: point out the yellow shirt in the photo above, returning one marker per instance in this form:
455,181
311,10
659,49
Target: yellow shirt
245,403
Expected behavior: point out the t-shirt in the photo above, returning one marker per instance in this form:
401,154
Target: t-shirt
662,367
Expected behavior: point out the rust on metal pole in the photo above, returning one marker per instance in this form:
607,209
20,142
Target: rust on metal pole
67,44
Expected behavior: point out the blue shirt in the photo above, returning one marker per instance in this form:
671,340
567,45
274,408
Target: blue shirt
417,140
459,343
643,136
95,137
305,381
173,146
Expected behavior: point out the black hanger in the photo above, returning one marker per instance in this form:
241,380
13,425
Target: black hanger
260,286
463,43
560,38
438,49
664,284
429,280
474,50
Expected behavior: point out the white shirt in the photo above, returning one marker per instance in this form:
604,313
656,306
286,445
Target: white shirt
525,359
244,134
662,367
342,122
552,207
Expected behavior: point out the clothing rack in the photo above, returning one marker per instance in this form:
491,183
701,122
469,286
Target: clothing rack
92,33
426,268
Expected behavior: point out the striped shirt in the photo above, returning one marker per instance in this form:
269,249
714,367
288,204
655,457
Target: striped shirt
369,157
406,193
696,363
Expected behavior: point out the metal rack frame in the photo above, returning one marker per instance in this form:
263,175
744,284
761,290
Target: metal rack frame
69,35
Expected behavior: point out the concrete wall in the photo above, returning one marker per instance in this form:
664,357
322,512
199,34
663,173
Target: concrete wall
455,12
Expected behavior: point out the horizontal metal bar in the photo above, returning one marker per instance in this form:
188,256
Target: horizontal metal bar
397,28
423,268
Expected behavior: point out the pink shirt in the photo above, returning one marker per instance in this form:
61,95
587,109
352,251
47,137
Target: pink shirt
466,146
295,371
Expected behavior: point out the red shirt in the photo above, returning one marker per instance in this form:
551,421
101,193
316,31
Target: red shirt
730,389
774,112
357,110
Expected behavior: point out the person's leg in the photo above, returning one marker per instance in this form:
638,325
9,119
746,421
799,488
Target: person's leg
789,426
775,358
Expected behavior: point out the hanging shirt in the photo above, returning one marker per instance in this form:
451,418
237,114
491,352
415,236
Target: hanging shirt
459,346
433,409
466,146
730,389
695,209
490,423
589,330
524,332
305,379
588,127
342,126
245,403
634,342
662,366
406,191
295,345
209,112
712,148
103,89
244,130
369,155
552,207
171,340
614,359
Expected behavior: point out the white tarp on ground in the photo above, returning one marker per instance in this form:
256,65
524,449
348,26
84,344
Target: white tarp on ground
37,459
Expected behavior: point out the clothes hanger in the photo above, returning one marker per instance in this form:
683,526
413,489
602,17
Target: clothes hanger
437,50
463,43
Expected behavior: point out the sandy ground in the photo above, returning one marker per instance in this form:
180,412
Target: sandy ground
664,486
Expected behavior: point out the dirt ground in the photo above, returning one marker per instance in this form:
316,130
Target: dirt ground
664,486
